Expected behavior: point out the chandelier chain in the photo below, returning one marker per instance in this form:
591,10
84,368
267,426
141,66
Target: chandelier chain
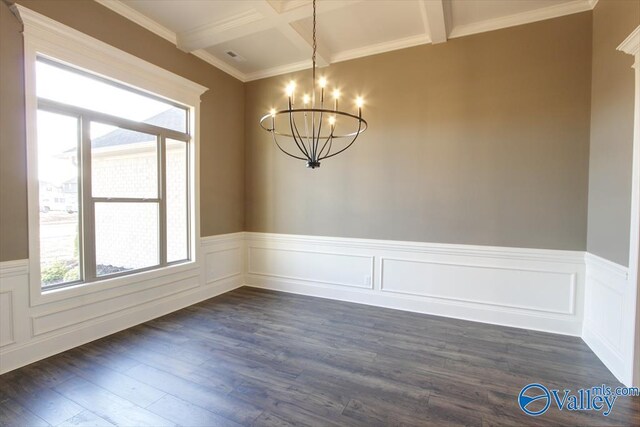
315,46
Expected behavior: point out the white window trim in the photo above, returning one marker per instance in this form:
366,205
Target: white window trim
43,35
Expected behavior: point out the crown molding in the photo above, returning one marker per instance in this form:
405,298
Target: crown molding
343,56
220,64
550,12
52,38
149,24
631,45
133,15
281,69
383,47
210,34
555,11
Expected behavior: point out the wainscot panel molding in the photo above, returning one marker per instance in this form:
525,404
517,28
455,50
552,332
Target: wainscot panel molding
608,314
526,288
566,292
32,332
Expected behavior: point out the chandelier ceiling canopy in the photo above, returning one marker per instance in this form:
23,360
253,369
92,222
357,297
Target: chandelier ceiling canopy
312,128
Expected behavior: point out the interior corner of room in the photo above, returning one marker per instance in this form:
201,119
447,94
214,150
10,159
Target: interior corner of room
498,183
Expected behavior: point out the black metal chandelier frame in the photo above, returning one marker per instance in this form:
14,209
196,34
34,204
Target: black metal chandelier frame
313,146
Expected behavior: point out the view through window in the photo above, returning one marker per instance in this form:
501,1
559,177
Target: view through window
113,177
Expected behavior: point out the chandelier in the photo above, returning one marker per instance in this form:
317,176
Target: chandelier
314,131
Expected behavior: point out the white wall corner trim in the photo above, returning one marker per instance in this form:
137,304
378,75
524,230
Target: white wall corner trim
606,318
525,288
631,46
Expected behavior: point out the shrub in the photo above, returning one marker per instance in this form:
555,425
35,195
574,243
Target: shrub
72,275
54,273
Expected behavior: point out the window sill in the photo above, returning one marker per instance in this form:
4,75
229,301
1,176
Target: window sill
122,285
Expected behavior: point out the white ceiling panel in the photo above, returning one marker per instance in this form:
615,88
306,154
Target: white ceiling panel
465,12
184,15
365,23
274,36
263,50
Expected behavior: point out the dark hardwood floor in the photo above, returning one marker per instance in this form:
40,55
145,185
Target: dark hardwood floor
260,358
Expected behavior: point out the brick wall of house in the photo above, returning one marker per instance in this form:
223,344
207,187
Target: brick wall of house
127,233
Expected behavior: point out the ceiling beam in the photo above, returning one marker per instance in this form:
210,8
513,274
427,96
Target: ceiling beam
282,22
233,27
262,17
433,17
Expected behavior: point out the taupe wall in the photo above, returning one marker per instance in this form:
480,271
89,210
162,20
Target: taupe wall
222,118
481,140
13,183
611,131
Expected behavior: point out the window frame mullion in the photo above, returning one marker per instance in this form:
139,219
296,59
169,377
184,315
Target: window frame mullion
162,194
88,207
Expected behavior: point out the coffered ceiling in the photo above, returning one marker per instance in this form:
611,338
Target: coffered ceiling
252,39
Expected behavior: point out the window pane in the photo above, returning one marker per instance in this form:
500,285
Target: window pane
126,237
177,214
124,163
58,197
62,84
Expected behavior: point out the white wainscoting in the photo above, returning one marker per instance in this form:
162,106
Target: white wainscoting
526,288
608,314
539,289
30,332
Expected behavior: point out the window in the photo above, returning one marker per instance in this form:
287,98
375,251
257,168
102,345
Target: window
113,170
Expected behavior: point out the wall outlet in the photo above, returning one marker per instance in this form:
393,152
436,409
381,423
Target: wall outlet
367,280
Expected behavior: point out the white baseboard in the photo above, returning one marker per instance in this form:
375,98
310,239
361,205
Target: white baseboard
607,317
525,288
30,332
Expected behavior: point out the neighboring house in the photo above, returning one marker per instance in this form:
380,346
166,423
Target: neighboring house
124,165
59,197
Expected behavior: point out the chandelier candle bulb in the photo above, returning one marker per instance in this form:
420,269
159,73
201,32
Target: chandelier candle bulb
313,142
290,91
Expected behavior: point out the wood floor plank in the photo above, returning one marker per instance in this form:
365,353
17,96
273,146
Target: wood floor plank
108,406
273,397
187,414
207,398
47,404
86,419
254,357
117,383
14,414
